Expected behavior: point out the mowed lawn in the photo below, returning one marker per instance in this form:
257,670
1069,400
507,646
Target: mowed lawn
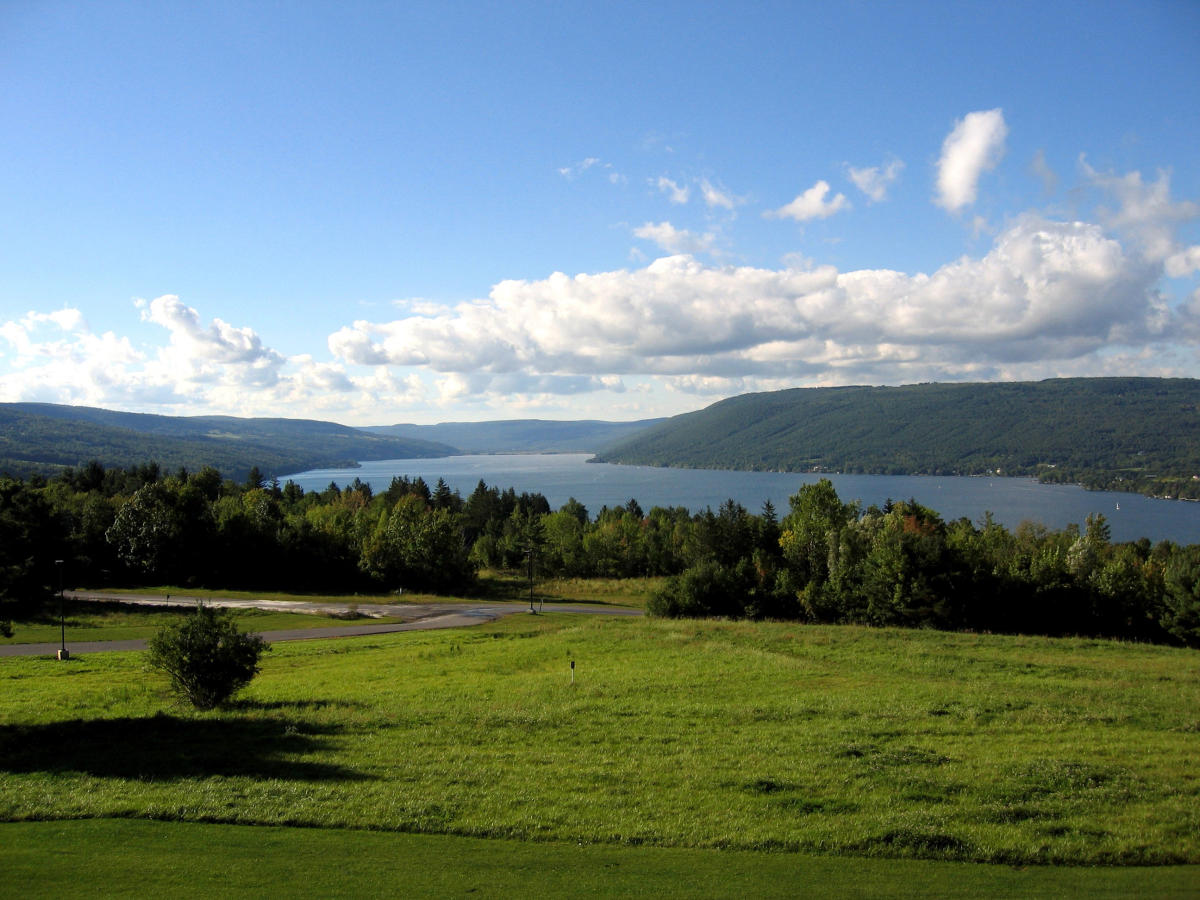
833,741
137,858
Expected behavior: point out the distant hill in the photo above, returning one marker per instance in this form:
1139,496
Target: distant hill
1139,434
46,437
521,435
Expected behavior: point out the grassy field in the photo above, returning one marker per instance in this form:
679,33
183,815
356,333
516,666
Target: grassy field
616,591
122,622
737,736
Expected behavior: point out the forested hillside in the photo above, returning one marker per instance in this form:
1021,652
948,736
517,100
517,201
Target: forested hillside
521,435
1138,434
44,438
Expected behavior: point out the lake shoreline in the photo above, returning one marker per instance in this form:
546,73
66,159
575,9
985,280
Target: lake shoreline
559,477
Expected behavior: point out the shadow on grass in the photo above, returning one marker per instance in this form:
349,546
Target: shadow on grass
164,747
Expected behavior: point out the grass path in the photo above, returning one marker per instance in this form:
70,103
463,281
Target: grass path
130,858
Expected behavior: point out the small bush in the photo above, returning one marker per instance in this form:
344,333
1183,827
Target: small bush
707,589
207,657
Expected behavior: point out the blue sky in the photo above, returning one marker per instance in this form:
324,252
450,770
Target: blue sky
378,213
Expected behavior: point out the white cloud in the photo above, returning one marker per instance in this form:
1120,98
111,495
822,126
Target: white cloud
59,359
675,193
459,386
1184,263
811,205
518,383
715,197
875,180
21,334
676,240
311,377
1046,290
1042,170
1146,213
220,342
592,162
215,368
1047,298
578,168
708,385
975,146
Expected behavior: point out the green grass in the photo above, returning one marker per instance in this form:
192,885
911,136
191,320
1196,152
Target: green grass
87,621
615,591
734,736
200,860
497,584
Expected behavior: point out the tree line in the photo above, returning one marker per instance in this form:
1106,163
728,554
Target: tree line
825,560
903,565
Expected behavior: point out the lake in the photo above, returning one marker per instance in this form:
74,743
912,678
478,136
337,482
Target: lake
565,475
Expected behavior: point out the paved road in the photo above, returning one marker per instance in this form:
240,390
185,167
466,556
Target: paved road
417,617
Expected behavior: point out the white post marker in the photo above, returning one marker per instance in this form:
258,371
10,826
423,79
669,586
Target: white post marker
572,671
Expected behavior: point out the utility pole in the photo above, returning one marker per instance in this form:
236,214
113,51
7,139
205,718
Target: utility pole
529,553
63,652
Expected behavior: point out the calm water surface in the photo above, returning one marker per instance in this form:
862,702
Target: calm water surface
561,476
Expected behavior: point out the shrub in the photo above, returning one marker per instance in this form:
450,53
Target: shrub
206,656
706,589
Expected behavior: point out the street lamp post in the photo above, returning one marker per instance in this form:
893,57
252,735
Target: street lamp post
63,652
529,553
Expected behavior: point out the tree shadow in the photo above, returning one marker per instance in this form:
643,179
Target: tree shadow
163,747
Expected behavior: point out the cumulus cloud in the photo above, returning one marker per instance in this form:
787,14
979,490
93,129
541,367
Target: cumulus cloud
811,205
676,240
21,334
1046,290
875,180
215,367
675,193
59,359
219,351
975,146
